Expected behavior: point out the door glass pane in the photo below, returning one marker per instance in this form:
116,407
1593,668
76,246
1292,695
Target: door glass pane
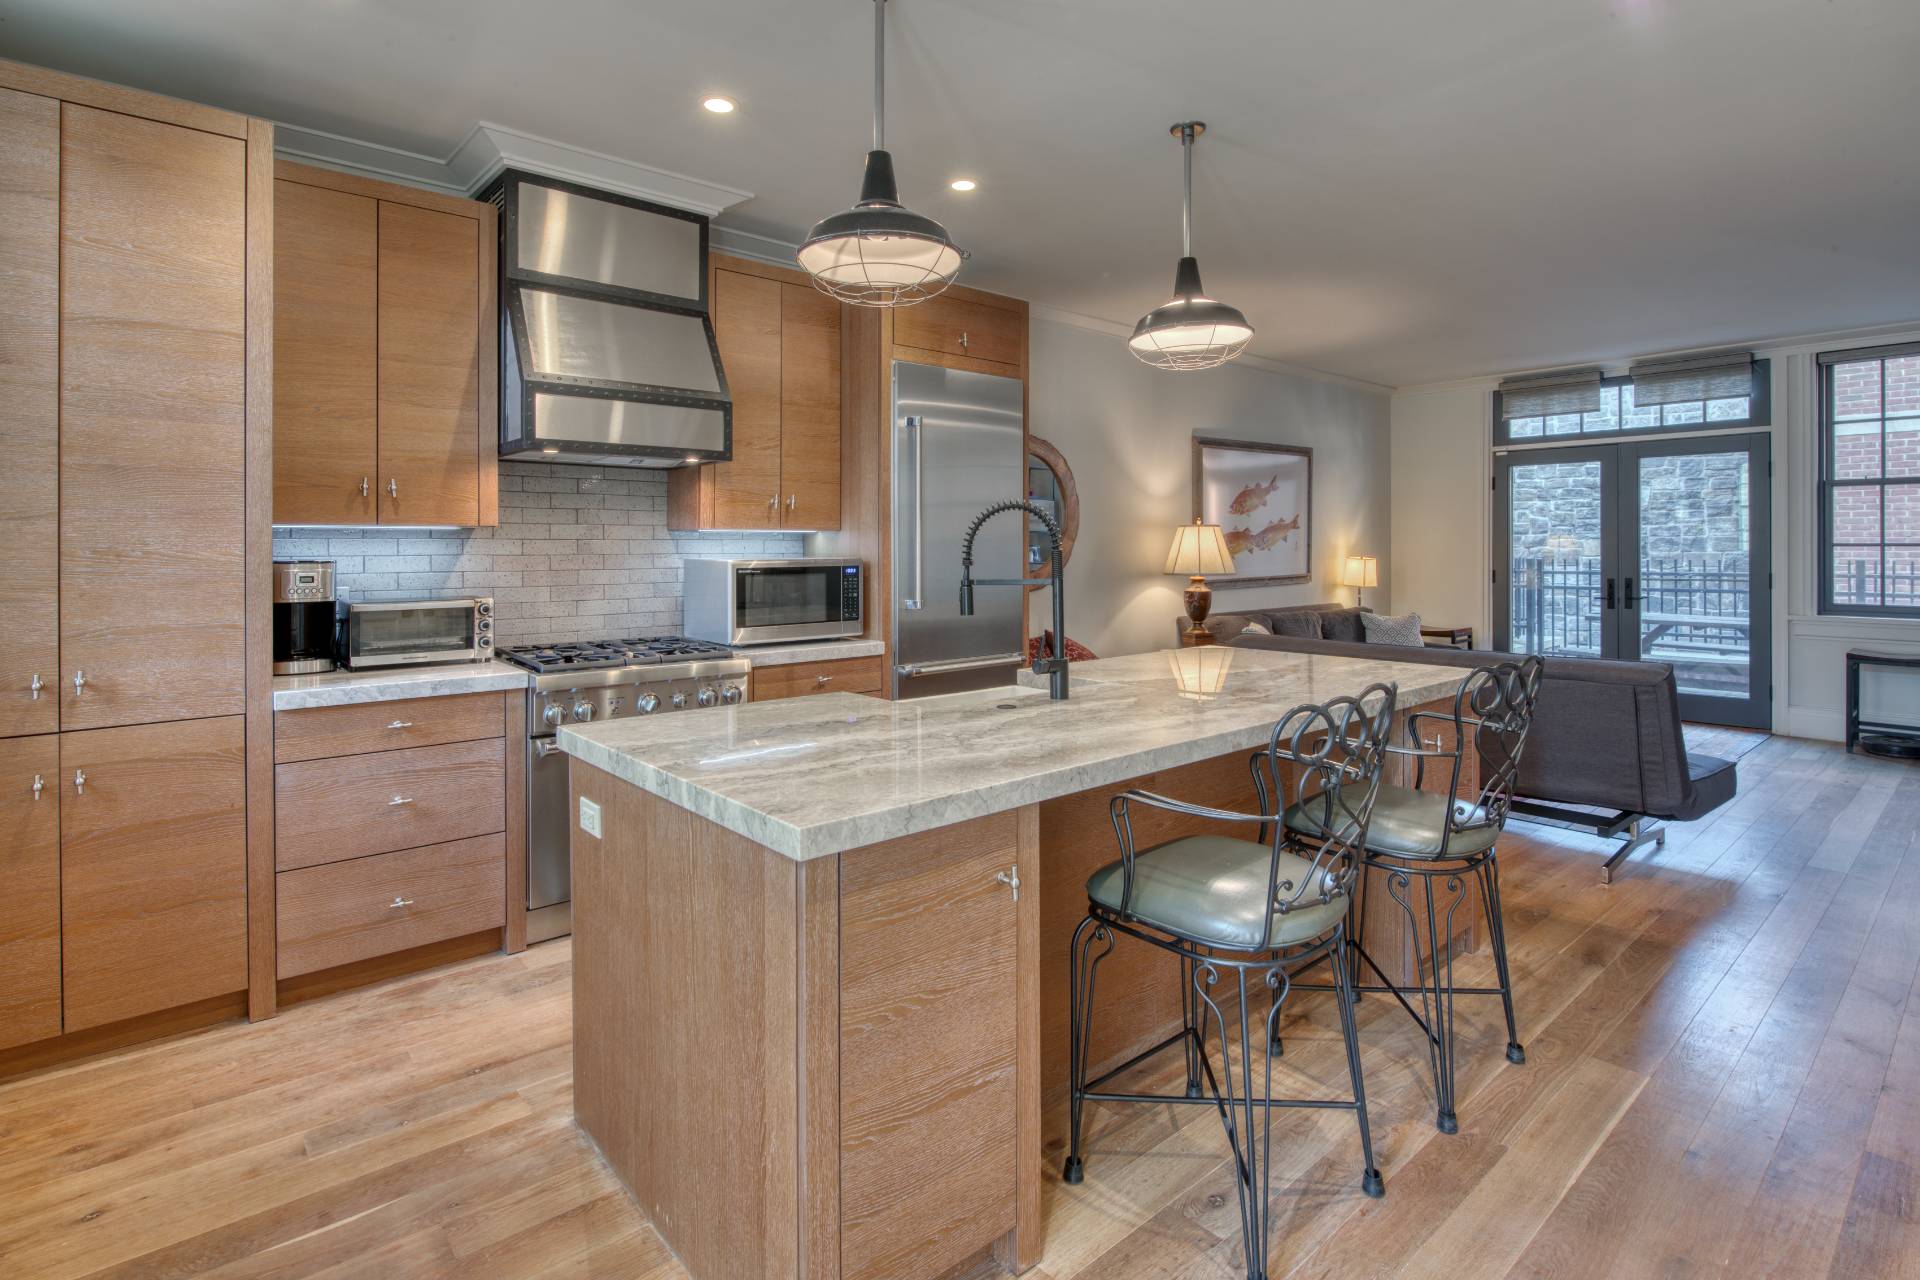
1694,572
1554,574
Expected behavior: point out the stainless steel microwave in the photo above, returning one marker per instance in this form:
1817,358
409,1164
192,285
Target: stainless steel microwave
406,633
743,602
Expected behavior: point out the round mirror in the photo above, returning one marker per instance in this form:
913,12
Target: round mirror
1049,487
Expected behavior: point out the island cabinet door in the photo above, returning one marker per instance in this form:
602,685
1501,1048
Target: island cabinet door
928,1028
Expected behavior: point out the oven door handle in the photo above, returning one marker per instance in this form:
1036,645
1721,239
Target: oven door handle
544,747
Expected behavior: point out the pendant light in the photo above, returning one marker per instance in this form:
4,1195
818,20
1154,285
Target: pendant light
1192,331
880,253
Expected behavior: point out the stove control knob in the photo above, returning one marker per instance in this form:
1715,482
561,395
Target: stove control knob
648,703
554,714
708,697
679,700
583,710
731,694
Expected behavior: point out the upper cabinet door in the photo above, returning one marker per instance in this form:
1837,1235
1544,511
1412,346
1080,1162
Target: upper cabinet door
153,867
809,408
429,366
152,409
964,327
325,247
29,415
746,326
30,907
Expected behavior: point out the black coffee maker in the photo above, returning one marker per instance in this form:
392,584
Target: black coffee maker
302,617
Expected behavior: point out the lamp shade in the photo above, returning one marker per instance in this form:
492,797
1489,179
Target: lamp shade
1199,549
1361,571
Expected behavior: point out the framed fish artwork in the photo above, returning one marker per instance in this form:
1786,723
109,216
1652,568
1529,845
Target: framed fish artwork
1261,496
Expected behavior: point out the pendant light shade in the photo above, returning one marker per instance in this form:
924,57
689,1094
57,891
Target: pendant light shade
880,253
1192,331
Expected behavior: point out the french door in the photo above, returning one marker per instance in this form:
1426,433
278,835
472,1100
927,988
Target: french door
1655,550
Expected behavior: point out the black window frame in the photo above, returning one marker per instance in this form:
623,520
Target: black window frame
1827,362
1759,414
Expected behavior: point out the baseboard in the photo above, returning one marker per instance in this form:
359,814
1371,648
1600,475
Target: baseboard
60,1050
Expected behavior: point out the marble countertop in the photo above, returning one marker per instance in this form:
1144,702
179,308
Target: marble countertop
341,688
814,776
781,655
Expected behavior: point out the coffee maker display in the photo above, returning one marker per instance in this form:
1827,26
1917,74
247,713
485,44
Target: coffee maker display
303,622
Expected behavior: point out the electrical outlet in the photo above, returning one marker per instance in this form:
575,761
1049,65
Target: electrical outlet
589,817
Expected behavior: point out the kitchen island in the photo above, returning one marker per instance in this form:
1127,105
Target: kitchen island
820,945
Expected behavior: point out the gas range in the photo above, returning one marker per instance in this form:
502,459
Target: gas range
600,680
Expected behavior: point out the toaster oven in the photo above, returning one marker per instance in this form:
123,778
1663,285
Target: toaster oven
407,633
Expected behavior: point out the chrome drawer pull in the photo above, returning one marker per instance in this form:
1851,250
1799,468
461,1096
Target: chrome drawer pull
79,681
823,679
400,902
363,486
39,784
401,724
399,800
37,685
1012,881
79,782
393,488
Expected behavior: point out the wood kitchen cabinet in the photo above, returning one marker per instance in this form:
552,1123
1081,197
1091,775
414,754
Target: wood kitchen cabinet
837,675
29,415
153,870
965,329
30,908
779,341
385,354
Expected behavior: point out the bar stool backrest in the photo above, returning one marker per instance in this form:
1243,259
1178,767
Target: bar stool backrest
1492,711
1337,750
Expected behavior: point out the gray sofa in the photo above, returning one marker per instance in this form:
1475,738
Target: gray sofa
1606,735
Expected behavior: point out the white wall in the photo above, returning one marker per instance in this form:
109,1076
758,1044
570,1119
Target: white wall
1127,431
1446,431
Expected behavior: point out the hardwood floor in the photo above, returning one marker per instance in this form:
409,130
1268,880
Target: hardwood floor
1723,1078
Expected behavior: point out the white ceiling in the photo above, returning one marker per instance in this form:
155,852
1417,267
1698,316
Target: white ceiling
1400,191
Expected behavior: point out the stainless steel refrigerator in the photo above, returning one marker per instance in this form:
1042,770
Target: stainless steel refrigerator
958,448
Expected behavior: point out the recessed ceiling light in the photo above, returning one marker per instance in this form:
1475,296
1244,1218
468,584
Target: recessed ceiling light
719,105
963,184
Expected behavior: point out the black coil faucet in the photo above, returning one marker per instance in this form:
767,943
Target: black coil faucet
1053,666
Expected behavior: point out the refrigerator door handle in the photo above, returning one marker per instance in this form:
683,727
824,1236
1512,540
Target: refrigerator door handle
959,664
919,514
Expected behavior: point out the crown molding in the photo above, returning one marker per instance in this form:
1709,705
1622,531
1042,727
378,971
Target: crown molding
750,244
488,148
1094,324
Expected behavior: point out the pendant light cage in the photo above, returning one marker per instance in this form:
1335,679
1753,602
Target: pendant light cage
1192,331
879,253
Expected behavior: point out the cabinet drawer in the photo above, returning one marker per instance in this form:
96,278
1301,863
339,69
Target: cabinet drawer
332,810
958,326
844,675
377,905
318,732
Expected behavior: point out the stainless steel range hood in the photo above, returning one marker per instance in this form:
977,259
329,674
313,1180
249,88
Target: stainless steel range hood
607,352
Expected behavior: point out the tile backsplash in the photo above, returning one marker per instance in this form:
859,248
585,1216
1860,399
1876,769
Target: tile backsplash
580,553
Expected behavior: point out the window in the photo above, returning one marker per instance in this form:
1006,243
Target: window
1618,415
1870,481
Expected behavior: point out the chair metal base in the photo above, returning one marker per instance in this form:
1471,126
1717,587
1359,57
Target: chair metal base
1608,826
1235,1099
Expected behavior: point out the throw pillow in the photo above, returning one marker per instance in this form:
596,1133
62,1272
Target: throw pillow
1254,629
1401,630
1342,624
1304,625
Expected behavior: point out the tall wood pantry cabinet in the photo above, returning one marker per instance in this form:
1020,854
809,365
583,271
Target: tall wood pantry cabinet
385,351
135,237
779,341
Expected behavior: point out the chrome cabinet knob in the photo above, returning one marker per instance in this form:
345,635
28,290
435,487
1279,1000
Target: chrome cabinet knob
79,782
583,710
39,785
398,801
1010,878
35,686
707,697
792,499
554,714
823,679
773,503
399,902
393,488
731,694
401,724
79,681
963,340
648,703
363,486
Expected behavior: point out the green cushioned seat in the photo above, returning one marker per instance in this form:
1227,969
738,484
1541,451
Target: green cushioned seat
1212,889
1407,823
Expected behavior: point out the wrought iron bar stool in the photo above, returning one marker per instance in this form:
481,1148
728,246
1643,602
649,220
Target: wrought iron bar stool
1243,911
1425,838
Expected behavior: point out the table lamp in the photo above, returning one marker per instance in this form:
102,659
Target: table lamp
1361,572
1198,549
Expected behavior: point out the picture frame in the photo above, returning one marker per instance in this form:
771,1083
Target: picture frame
1261,496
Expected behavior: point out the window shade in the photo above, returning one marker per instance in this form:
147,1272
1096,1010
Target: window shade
1717,376
1540,395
